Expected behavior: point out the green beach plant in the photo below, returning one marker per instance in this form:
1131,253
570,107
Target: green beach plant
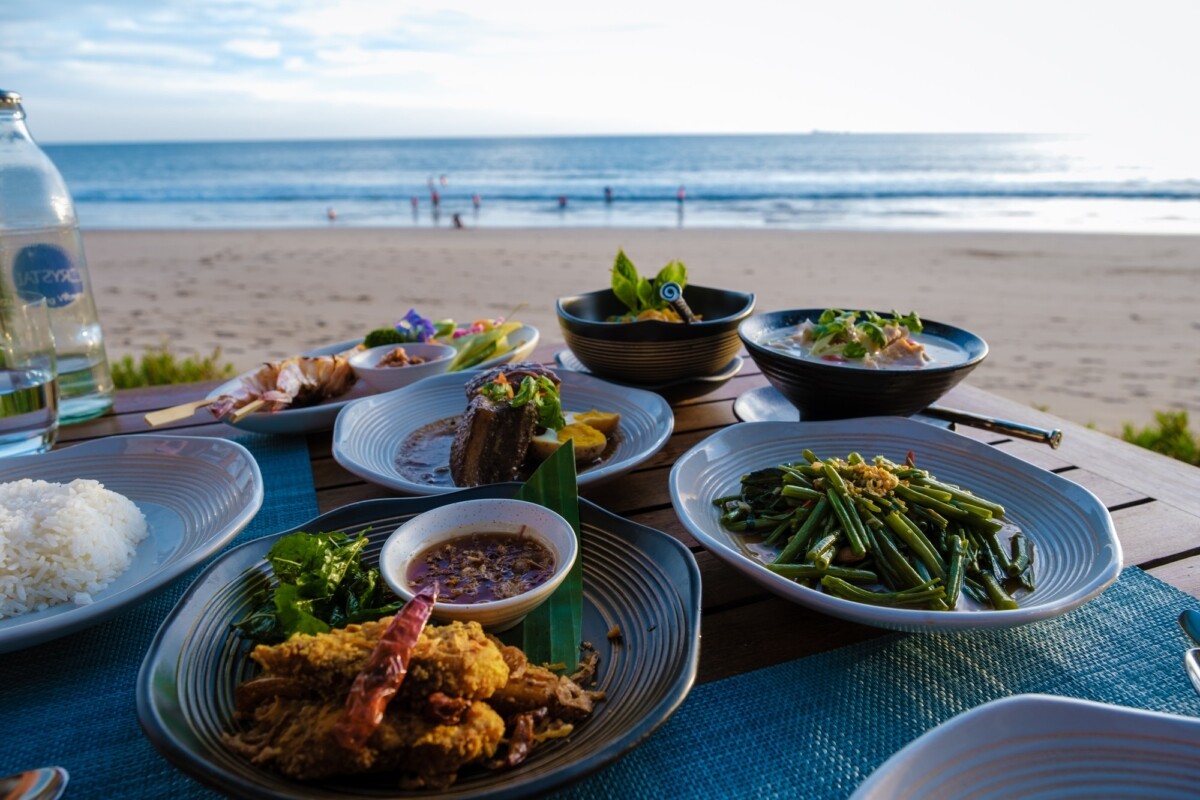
158,366
1170,437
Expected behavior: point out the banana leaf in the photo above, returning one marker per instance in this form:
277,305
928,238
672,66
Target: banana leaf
552,632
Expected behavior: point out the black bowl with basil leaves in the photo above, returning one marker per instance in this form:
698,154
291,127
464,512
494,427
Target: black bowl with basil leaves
653,351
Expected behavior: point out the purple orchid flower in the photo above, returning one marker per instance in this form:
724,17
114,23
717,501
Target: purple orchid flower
416,327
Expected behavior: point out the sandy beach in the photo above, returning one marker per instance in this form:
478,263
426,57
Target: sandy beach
1098,329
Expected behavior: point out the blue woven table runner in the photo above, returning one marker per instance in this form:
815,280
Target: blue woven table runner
71,702
818,726
811,728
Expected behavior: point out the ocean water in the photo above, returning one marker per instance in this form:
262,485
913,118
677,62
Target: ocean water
813,181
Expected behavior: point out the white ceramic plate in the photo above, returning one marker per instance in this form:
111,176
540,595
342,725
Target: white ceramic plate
766,404
568,360
1039,747
369,432
523,340
321,416
292,420
197,493
1076,550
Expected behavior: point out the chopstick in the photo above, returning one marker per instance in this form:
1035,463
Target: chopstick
1052,437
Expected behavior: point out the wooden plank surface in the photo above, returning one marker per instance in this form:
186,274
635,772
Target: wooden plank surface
1136,468
1155,502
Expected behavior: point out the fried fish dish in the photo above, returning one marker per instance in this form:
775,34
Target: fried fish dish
397,696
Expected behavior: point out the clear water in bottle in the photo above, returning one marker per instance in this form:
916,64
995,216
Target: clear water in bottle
28,408
46,262
41,251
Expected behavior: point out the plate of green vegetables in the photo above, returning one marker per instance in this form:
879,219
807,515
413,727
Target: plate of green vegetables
894,523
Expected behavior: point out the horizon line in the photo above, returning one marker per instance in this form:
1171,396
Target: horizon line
816,133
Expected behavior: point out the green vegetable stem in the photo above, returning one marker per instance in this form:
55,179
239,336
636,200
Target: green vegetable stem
882,533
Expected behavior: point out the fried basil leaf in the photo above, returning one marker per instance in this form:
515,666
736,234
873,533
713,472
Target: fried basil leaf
322,584
625,281
641,294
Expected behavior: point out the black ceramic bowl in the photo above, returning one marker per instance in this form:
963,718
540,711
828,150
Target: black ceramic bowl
654,351
826,390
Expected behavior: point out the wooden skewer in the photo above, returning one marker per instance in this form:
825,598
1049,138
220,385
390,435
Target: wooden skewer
246,410
176,413
185,410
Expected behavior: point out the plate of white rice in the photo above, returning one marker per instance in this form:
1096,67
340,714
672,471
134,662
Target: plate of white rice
87,530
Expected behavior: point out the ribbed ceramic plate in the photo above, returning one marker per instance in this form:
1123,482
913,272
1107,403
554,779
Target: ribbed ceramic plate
1076,550
369,433
321,416
568,360
766,404
1039,747
635,578
197,493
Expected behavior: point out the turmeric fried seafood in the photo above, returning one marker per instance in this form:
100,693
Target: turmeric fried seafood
291,383
465,699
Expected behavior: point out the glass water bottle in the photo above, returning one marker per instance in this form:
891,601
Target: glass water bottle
41,252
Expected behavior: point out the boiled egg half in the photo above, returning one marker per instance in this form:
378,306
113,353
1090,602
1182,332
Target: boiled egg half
588,429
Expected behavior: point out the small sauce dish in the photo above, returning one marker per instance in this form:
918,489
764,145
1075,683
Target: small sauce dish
452,537
435,360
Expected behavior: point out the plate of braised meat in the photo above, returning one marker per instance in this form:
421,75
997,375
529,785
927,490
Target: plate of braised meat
458,430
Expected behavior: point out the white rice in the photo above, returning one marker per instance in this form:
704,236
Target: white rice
61,542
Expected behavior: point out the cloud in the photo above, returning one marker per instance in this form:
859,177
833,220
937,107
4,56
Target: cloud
370,20
135,52
254,48
544,66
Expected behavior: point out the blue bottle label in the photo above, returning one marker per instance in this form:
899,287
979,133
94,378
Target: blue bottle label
47,270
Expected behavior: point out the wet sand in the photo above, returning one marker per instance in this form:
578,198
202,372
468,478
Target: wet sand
1099,329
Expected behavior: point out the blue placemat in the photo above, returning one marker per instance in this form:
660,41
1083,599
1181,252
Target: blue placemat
818,726
71,702
811,728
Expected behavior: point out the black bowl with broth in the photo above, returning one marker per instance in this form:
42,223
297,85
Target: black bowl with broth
822,389
654,351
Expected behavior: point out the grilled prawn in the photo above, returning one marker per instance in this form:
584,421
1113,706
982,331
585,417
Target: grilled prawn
291,383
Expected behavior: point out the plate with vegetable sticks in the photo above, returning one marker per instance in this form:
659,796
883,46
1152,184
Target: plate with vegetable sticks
519,343
894,523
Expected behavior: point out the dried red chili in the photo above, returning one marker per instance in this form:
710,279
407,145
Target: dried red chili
379,680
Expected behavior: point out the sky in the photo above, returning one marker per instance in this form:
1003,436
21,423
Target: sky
135,70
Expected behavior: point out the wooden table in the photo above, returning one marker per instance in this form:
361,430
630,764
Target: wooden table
1154,501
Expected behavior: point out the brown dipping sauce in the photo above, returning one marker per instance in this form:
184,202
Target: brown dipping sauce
424,457
481,567
398,358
